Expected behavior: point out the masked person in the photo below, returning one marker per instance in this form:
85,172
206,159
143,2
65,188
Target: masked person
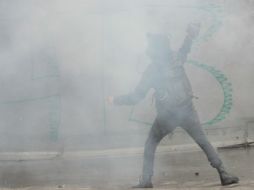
173,100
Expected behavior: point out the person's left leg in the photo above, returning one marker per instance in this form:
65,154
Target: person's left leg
193,127
161,127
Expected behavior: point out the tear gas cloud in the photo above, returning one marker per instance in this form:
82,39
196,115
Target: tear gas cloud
60,59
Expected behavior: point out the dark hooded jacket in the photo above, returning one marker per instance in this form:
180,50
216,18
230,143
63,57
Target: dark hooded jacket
167,78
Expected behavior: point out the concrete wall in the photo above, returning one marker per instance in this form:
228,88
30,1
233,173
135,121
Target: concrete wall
61,59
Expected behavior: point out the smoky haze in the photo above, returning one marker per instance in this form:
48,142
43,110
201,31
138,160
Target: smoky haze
60,59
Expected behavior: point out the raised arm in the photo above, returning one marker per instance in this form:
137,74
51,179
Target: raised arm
192,33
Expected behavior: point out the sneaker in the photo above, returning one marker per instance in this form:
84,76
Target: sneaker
143,185
144,182
228,179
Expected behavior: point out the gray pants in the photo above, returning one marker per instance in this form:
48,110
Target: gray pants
166,121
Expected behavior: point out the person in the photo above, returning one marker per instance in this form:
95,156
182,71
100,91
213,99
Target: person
173,101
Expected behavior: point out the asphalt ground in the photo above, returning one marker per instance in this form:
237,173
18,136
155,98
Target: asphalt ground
173,170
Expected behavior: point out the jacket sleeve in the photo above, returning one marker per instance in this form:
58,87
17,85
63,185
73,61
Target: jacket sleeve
185,49
139,92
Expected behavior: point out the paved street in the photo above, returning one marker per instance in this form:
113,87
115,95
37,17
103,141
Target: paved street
173,170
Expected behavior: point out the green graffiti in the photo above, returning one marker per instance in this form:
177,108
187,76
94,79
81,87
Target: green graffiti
48,58
226,88
227,93
216,12
54,118
54,105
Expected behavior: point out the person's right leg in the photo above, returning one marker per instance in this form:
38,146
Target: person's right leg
159,130
193,127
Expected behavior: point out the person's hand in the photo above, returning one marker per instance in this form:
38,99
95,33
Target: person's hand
193,30
110,100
